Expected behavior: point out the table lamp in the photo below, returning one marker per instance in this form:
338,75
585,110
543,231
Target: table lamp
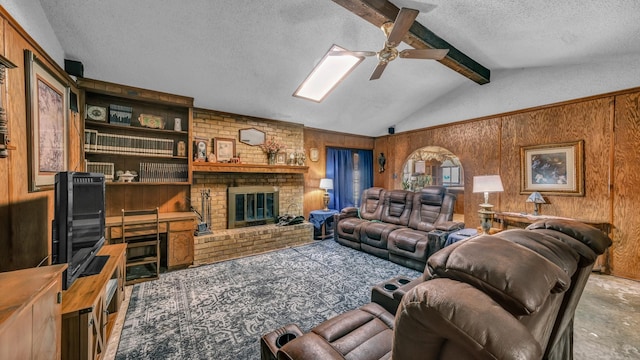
326,184
537,199
486,184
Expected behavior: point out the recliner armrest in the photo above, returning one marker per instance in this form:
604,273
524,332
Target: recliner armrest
347,213
308,346
398,294
445,316
450,225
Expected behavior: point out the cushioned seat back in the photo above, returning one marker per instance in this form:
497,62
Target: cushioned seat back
397,207
501,269
588,242
431,206
372,201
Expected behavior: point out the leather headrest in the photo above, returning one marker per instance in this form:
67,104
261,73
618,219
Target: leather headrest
398,196
517,278
587,234
432,195
373,193
550,248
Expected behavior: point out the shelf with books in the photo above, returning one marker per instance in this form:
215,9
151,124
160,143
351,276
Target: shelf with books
141,131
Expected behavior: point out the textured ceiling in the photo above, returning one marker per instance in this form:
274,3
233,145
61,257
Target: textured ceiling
247,56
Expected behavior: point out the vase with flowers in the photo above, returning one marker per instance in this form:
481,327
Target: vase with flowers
272,147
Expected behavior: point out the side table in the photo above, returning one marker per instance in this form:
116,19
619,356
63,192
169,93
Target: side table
461,235
322,223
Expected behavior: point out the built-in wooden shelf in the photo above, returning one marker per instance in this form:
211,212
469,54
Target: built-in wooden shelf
120,183
248,168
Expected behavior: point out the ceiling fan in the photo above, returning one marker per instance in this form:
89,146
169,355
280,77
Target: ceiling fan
395,32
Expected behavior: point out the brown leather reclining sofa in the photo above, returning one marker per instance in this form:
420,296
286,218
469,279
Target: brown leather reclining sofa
399,225
511,295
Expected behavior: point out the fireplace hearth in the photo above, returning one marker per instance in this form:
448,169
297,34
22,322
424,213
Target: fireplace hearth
252,206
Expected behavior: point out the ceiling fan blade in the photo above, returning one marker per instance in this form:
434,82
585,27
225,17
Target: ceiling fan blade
378,70
352,53
403,23
435,54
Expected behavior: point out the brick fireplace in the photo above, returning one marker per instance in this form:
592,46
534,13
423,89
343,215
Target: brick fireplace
290,192
227,243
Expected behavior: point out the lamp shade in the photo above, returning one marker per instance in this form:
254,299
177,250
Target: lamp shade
536,197
487,183
326,184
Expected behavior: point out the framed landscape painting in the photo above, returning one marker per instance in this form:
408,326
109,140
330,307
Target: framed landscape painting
553,169
47,112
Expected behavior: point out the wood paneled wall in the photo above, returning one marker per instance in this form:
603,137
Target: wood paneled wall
625,255
25,218
610,127
321,139
475,143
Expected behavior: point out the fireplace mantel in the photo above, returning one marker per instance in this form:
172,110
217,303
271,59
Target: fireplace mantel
204,167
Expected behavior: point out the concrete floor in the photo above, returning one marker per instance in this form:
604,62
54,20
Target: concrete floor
607,320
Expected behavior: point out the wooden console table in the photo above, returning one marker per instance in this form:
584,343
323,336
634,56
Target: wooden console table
518,220
90,307
178,228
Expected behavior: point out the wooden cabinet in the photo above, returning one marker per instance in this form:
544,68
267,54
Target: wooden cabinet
180,244
152,143
30,313
90,307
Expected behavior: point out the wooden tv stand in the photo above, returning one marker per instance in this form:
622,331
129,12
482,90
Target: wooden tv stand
90,307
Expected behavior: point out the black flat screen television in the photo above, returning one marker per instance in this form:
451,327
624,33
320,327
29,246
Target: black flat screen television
78,223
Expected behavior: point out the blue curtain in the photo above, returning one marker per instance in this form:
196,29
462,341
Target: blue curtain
366,169
340,169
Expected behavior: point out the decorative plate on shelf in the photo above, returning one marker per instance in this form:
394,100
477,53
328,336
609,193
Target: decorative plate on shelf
96,113
151,121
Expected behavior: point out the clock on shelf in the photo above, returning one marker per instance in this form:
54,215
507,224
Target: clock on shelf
96,113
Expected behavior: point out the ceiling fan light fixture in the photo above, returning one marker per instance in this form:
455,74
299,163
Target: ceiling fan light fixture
327,74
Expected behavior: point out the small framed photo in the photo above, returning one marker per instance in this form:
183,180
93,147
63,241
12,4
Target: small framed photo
552,169
281,158
225,149
199,150
314,154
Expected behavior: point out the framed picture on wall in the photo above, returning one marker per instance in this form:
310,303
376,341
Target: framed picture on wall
225,149
553,169
47,113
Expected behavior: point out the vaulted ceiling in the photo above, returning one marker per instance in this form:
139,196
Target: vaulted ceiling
248,57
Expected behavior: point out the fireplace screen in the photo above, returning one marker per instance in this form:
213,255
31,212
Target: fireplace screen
251,206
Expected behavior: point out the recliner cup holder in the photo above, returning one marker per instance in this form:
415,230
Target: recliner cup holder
284,338
390,287
403,281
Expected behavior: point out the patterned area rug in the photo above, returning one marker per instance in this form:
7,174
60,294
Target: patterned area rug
219,311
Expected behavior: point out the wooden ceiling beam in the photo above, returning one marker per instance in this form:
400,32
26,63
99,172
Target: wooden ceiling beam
378,12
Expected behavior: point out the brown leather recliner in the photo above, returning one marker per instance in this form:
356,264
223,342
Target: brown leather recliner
420,228
396,212
432,210
349,220
511,296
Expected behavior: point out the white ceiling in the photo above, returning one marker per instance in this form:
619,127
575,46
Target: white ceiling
248,56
